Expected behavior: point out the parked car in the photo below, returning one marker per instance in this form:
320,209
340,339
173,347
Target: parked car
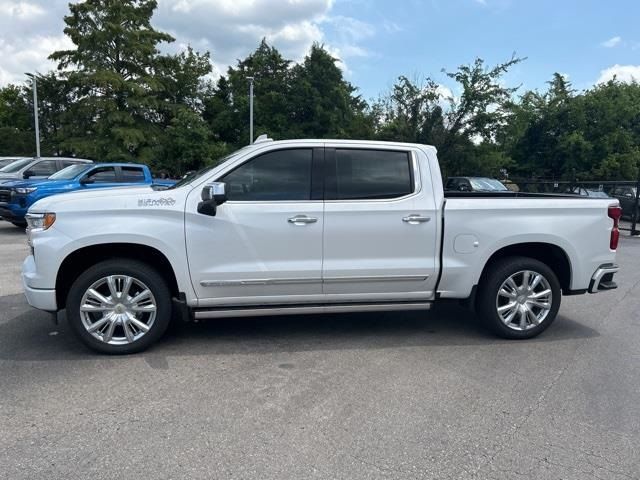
311,226
4,161
587,192
36,168
475,184
627,197
17,196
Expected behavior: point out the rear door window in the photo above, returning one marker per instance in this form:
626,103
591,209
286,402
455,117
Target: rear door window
132,175
363,174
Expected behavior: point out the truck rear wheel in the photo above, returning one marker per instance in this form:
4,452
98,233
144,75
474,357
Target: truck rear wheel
519,297
119,306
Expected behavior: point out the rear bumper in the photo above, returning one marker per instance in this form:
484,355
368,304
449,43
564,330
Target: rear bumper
40,298
602,279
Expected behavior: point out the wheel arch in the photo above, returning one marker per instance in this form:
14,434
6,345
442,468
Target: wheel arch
554,256
79,260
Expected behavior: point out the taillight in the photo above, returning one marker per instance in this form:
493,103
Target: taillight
614,212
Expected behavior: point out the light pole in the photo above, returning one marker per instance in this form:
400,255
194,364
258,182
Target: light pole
250,109
35,114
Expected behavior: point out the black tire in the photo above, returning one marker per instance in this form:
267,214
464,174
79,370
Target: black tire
20,224
138,270
492,281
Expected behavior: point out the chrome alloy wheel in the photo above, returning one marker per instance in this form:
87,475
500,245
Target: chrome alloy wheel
524,300
118,309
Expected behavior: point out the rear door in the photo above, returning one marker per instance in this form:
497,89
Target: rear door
380,225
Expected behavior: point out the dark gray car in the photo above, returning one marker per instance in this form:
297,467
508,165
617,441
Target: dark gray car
627,197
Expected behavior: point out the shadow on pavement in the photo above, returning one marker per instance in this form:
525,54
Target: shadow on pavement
32,336
10,229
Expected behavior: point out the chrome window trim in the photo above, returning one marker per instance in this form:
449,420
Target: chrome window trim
417,180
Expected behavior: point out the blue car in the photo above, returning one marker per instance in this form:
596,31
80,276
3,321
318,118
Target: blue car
17,196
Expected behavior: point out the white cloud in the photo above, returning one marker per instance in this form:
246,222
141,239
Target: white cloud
30,55
231,29
30,30
612,42
623,73
20,10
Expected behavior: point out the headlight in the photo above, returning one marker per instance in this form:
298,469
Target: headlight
39,221
25,191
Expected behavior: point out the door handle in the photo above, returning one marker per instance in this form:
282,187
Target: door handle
301,220
415,219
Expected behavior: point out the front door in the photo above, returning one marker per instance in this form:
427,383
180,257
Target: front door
264,246
380,226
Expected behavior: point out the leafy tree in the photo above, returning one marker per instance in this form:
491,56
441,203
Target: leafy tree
322,103
16,131
424,113
113,72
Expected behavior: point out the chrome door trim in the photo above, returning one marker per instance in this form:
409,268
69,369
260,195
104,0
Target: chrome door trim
299,310
258,281
292,281
377,278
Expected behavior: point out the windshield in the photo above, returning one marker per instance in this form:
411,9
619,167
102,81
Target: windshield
195,175
6,161
67,173
487,184
15,166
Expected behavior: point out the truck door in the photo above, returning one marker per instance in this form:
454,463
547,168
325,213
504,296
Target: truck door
380,225
264,245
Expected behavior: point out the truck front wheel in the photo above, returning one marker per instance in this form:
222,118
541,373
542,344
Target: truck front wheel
119,306
519,297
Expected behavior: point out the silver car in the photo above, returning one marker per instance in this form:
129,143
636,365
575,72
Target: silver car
31,167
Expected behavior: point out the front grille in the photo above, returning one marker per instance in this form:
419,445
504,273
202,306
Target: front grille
5,196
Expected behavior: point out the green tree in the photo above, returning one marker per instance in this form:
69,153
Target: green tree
322,103
456,125
113,74
16,131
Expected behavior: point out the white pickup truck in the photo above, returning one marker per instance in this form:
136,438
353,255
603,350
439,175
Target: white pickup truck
311,226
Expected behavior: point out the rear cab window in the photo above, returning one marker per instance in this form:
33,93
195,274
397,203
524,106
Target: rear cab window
368,174
132,175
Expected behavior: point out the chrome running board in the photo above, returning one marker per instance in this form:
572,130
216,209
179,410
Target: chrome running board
262,311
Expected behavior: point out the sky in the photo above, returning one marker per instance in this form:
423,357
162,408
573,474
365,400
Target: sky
376,41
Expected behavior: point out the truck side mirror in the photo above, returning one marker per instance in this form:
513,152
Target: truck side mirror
28,174
212,195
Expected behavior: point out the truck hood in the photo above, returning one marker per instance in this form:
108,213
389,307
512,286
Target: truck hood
104,199
7,177
35,183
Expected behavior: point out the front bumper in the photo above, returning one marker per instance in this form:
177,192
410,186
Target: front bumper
12,215
40,298
602,279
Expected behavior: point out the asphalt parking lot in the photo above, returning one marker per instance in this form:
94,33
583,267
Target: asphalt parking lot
397,395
